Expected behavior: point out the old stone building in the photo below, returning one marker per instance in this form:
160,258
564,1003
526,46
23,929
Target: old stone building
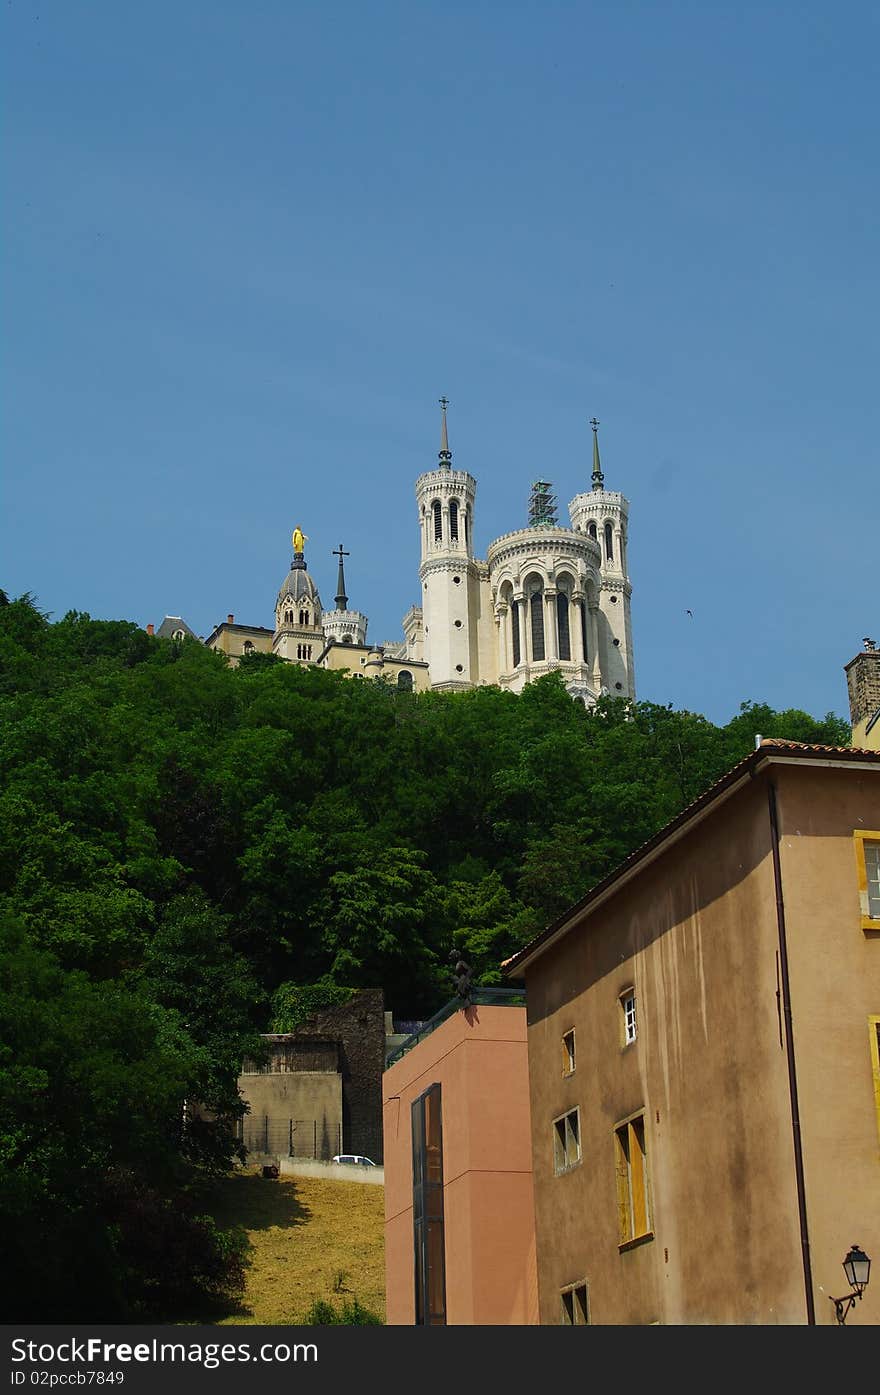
863,685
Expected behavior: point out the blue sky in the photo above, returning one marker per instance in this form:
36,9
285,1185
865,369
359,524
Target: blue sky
248,246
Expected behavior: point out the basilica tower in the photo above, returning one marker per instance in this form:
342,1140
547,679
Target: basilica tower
448,572
603,514
299,635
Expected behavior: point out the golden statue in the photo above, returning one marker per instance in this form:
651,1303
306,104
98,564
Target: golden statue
299,537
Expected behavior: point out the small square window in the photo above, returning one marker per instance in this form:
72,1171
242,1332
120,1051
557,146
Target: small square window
867,846
568,1054
566,1141
628,1016
574,1306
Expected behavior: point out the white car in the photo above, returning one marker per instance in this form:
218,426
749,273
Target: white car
355,1158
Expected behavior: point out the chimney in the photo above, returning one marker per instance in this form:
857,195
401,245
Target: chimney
230,619
149,629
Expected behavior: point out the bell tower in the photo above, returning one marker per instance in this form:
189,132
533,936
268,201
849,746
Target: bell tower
448,573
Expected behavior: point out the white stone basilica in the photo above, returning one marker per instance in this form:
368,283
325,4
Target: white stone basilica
547,597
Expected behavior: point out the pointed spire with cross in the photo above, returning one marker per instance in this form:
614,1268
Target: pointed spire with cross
445,452
340,597
598,477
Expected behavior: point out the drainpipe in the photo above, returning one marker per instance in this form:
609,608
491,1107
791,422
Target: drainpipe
789,1051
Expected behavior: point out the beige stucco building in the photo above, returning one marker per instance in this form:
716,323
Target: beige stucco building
704,1059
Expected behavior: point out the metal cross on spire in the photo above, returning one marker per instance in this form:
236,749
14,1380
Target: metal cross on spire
445,452
340,597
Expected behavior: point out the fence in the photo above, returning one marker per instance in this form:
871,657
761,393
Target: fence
291,1138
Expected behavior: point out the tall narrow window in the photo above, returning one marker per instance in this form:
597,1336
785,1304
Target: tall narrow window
592,532
562,626
464,519
568,1052
632,1180
536,608
583,610
566,1141
867,847
628,1016
874,1029
438,521
430,1263
609,549
304,617
514,631
872,869
453,519
405,681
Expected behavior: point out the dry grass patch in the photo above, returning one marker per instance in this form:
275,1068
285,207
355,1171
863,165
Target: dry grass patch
306,1233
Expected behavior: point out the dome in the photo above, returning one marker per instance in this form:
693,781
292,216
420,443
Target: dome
298,585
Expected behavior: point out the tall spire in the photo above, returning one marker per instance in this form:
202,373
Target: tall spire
341,598
598,477
445,452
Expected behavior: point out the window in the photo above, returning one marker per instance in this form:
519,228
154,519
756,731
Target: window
514,630
566,1141
453,520
867,845
632,1181
405,681
574,1307
609,549
536,607
248,647
628,1015
304,617
592,532
562,626
430,1264
438,520
874,1028
568,1057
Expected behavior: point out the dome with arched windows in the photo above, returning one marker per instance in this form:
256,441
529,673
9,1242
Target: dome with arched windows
298,595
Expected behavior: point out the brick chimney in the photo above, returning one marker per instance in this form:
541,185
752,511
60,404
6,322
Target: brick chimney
863,682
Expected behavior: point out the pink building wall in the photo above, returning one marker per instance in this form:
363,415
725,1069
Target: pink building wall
479,1058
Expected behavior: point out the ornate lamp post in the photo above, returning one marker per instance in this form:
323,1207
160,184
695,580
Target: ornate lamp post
857,1268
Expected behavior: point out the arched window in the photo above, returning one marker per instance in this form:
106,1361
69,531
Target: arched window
514,631
536,606
304,617
609,548
178,635
405,681
438,520
288,617
346,639
562,625
308,651
453,519
248,647
592,532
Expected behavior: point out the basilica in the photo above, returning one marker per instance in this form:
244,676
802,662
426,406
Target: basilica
546,597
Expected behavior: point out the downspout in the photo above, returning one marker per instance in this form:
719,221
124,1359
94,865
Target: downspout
789,1049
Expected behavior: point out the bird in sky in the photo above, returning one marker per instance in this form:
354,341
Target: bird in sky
690,613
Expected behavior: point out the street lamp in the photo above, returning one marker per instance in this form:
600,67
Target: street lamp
857,1268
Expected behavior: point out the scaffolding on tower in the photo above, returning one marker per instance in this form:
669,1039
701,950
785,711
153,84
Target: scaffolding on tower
542,505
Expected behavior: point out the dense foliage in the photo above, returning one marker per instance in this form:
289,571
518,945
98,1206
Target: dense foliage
190,854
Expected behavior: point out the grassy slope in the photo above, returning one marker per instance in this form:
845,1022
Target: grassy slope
304,1231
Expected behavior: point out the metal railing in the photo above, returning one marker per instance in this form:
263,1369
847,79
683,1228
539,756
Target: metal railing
480,997
290,1138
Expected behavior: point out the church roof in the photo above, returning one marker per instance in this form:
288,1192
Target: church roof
299,585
